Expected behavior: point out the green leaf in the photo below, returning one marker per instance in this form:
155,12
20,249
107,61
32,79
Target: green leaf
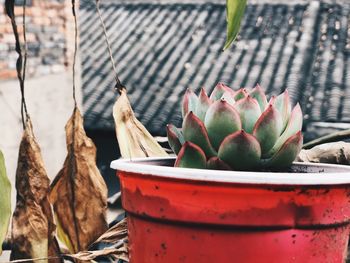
241,151
214,163
287,153
203,104
221,120
234,13
268,128
194,131
191,156
249,111
175,138
5,200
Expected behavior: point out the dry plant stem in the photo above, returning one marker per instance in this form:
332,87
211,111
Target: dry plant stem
24,105
333,137
75,50
72,162
72,156
118,86
22,60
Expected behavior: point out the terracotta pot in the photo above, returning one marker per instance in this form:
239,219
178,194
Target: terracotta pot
198,216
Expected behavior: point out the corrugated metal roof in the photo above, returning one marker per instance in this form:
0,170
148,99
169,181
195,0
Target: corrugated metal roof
162,49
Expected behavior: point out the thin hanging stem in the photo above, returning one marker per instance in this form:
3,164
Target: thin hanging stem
118,86
24,105
75,51
21,61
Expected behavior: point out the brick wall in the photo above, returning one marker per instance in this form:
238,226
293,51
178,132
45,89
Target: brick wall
49,25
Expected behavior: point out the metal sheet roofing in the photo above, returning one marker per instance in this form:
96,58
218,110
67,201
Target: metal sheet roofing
162,49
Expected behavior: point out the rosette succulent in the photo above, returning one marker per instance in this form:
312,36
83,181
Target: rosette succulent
237,130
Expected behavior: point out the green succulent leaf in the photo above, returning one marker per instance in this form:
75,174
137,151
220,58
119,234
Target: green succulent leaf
241,94
194,131
214,163
221,120
282,103
240,150
268,128
249,111
234,14
258,94
191,156
5,201
294,125
189,102
202,105
229,97
219,91
287,153
175,138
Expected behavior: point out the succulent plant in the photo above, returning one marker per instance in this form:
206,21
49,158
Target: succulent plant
237,130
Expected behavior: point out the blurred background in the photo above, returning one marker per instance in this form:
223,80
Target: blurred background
162,48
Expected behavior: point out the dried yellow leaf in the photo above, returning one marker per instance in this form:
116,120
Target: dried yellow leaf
133,138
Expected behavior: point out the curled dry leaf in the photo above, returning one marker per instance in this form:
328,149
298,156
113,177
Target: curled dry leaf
5,201
113,253
32,224
114,234
336,153
79,193
133,138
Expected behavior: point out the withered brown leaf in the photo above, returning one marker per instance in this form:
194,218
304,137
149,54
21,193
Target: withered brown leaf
334,152
78,193
113,253
115,233
32,224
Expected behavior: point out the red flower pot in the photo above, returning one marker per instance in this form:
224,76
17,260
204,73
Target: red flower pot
198,216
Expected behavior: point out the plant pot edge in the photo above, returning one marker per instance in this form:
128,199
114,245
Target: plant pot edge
321,173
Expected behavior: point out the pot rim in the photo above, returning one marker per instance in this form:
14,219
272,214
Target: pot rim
341,175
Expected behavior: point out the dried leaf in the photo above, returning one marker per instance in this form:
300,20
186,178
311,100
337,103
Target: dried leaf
32,224
133,138
336,153
115,233
114,253
79,193
5,201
